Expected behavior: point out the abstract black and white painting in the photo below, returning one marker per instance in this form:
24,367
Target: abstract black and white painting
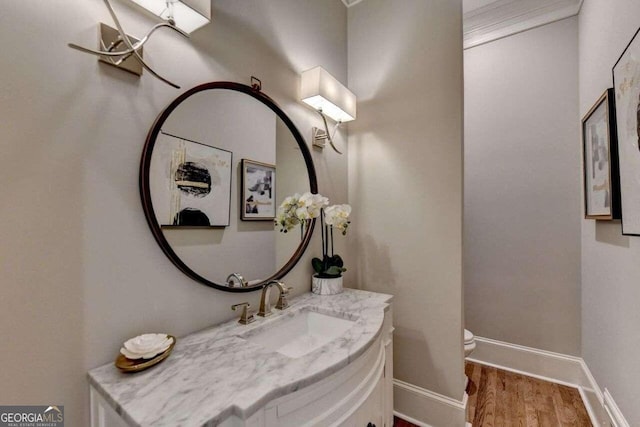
601,184
258,191
626,79
191,183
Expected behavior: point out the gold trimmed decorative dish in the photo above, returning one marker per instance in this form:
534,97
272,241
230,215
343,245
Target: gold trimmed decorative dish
137,365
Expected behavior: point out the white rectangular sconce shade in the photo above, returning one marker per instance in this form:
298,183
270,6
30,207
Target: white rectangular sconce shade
322,91
189,15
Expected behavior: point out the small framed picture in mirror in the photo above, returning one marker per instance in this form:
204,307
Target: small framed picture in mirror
258,191
600,156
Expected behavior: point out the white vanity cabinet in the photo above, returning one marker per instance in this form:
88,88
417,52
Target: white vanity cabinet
103,415
360,394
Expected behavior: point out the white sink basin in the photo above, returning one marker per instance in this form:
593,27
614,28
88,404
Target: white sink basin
300,334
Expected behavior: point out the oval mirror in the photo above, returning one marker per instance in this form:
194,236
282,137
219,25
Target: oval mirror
216,165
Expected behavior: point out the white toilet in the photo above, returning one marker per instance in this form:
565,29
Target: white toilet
469,342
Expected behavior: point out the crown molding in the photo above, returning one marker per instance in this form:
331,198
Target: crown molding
503,18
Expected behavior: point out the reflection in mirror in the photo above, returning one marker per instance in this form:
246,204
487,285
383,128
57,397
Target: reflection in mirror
195,181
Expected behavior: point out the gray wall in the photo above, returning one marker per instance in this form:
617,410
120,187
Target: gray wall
522,204
80,270
405,181
610,261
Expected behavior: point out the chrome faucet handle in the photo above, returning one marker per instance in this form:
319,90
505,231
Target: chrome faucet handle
246,316
283,302
238,278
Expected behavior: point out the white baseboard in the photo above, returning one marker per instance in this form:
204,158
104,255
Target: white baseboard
425,408
593,385
614,413
559,368
546,365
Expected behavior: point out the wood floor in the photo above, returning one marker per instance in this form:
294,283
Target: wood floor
499,398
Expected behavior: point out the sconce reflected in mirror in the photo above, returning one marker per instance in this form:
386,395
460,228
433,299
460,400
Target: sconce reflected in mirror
325,94
125,52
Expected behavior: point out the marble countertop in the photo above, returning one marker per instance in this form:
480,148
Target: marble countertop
213,374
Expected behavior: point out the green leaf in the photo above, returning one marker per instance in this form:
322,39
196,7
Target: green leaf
317,265
334,271
337,261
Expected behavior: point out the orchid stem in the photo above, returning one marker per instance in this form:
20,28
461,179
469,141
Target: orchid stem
322,229
331,240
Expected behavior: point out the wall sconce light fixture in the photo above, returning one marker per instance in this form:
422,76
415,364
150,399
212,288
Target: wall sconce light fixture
188,15
325,94
125,52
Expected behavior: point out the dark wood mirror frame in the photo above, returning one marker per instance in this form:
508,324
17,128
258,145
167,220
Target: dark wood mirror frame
145,193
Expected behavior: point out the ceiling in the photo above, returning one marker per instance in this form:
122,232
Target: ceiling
488,20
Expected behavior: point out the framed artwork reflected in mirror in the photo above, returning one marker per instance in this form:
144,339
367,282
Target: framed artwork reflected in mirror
191,181
258,191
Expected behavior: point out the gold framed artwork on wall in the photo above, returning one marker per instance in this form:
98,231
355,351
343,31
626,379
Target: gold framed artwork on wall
600,156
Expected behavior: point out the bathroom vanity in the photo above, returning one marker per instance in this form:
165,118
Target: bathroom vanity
324,361
321,361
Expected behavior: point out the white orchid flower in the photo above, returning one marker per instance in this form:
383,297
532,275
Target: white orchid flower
302,214
298,208
338,216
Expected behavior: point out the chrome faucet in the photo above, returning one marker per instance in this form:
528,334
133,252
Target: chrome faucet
238,278
265,300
